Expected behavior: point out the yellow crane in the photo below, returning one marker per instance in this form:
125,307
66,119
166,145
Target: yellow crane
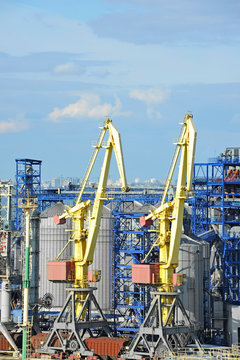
85,240
160,328
78,302
169,215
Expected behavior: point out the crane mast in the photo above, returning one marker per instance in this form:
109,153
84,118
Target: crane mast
161,328
78,303
85,240
169,215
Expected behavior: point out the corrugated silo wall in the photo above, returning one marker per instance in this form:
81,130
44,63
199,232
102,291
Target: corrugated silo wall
52,240
103,261
192,262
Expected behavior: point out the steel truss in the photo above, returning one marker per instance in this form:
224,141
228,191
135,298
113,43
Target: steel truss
216,204
28,184
130,245
155,336
69,329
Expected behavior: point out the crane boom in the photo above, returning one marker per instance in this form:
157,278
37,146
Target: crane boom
166,324
92,161
169,215
85,240
184,184
114,143
117,146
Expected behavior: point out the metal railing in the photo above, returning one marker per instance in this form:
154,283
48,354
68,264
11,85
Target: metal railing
216,353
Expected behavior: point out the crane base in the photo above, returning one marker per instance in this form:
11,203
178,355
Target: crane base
155,337
69,330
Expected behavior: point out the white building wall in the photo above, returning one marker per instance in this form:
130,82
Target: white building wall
233,324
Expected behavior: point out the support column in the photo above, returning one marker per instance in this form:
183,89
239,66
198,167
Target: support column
26,285
27,205
5,301
6,283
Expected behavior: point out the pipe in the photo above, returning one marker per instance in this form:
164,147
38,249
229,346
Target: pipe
26,285
34,293
5,301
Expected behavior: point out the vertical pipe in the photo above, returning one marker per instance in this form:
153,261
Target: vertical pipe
5,301
8,260
26,284
34,282
6,284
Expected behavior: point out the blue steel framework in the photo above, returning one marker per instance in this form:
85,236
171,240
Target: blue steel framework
28,183
216,203
50,197
130,245
130,242
47,198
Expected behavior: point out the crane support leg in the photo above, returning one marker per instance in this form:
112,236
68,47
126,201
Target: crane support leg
70,329
157,336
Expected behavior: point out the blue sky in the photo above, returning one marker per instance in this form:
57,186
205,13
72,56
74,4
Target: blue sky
65,65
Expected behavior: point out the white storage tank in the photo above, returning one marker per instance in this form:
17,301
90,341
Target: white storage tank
102,260
193,261
52,240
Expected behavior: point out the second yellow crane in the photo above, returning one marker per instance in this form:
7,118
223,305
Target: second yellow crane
161,329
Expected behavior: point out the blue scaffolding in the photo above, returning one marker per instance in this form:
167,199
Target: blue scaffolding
131,243
28,183
216,205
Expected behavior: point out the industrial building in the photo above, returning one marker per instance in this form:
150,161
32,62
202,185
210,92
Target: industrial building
117,307
215,217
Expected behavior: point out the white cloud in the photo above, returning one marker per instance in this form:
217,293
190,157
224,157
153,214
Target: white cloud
67,68
151,113
88,106
137,181
110,182
153,181
151,97
11,126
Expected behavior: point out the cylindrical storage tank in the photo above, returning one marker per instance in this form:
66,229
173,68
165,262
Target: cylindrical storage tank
192,263
52,240
5,301
34,270
102,260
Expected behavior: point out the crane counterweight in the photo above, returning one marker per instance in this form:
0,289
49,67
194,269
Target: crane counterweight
59,221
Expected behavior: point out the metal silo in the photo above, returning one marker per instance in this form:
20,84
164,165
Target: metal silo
52,240
193,261
102,260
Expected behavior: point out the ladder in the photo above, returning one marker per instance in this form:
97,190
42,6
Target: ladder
28,344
